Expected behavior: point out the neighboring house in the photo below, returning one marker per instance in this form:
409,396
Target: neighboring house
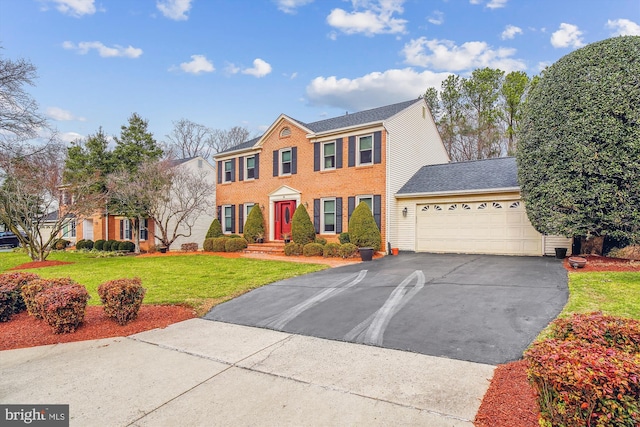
107,226
329,166
469,207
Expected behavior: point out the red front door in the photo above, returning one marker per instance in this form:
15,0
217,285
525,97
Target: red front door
284,213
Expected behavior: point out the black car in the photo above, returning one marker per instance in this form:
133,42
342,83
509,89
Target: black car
8,240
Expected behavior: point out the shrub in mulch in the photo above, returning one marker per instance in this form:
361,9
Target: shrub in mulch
331,250
218,244
293,249
348,250
122,299
31,290
63,307
588,372
235,244
189,247
312,249
11,300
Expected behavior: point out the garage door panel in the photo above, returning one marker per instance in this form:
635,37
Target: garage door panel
489,227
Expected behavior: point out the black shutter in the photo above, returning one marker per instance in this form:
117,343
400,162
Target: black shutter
257,166
351,205
233,218
233,170
294,160
240,168
219,172
338,215
377,202
275,163
240,218
377,147
220,213
338,153
316,215
352,151
316,156
122,229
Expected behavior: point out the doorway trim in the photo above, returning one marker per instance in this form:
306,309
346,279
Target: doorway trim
281,194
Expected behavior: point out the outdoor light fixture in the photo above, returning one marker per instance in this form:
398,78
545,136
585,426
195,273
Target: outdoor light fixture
404,212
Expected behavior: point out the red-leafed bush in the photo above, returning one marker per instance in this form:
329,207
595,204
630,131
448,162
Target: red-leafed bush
11,300
189,247
122,298
588,372
31,290
63,306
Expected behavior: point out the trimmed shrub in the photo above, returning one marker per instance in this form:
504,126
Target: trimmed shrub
254,226
99,245
312,249
11,300
233,236
235,245
207,245
587,372
302,230
219,244
293,249
84,244
189,247
215,229
60,244
31,290
111,245
347,250
122,298
363,230
344,238
126,246
321,240
331,250
63,307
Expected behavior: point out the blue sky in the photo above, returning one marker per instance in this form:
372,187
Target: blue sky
223,63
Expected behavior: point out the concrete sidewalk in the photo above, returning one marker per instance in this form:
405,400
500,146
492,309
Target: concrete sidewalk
200,372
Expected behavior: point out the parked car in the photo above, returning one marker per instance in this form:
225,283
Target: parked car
8,240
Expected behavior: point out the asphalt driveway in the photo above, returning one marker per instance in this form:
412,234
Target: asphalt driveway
478,308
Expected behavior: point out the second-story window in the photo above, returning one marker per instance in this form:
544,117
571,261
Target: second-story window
365,150
228,171
250,167
285,162
329,155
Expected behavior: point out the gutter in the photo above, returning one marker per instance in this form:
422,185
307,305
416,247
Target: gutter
458,192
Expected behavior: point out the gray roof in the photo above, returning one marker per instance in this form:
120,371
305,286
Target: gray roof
340,122
464,176
176,162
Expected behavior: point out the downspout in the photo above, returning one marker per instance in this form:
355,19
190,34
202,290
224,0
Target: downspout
387,201
106,222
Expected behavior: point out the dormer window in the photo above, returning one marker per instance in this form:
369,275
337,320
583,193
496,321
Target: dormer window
285,132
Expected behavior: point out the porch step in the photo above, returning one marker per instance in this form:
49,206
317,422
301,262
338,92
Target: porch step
265,248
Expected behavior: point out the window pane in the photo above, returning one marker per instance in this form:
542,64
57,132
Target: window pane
365,156
227,218
329,149
365,143
286,168
367,200
329,215
329,162
251,162
286,156
227,166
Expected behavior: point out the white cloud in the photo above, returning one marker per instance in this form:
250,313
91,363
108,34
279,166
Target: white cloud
290,6
106,52
61,115
446,55
510,32
198,64
174,9
567,36
375,18
260,68
623,27
69,136
75,8
496,4
371,90
436,18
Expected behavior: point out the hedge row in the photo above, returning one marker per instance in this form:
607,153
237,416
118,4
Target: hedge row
231,243
106,245
328,250
588,372
62,302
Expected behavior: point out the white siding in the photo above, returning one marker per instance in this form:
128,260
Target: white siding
413,141
201,226
552,242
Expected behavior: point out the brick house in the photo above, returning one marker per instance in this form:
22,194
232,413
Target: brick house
329,166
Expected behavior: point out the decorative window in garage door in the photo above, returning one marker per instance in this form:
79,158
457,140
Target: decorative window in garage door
425,208
514,205
496,205
482,206
466,207
437,207
453,207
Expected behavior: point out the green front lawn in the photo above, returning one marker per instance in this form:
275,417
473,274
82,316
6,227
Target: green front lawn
197,280
614,293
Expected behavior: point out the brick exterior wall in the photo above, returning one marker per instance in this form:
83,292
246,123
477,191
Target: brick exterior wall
342,182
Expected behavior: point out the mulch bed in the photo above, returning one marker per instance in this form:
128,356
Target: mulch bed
39,264
510,400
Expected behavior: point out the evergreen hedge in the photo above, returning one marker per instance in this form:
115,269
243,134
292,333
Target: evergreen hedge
363,230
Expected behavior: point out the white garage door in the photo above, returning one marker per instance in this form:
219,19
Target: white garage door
491,227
